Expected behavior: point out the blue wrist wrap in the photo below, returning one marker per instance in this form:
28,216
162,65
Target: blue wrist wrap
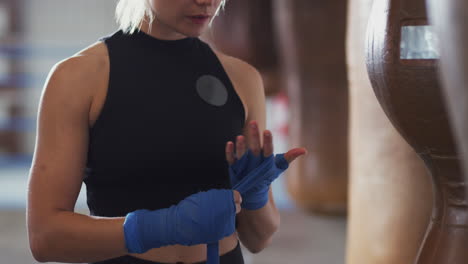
252,176
202,218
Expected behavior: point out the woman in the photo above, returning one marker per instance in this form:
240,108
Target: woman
146,118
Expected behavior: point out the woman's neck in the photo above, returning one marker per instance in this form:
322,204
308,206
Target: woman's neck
161,31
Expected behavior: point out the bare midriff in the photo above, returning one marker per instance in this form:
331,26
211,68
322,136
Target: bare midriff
187,254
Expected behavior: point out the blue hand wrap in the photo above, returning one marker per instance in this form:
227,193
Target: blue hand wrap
252,177
247,163
202,218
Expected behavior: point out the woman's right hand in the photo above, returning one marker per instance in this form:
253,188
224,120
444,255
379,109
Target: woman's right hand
201,218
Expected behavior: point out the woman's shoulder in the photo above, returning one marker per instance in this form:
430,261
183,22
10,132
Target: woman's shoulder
247,82
236,64
86,69
90,60
79,77
240,71
244,76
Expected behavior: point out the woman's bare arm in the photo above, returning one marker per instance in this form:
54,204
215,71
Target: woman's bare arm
56,232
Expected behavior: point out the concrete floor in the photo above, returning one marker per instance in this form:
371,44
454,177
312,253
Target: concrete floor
300,239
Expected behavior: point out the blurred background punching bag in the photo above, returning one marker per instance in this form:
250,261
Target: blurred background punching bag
311,36
451,25
402,64
390,197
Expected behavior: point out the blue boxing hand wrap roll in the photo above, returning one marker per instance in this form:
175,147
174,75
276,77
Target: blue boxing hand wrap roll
202,218
252,177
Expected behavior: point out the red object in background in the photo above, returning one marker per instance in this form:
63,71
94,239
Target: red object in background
281,112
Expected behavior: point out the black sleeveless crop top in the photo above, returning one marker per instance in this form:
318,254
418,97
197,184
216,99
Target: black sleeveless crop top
170,108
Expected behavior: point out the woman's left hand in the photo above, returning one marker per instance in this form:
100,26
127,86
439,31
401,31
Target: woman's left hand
255,147
252,170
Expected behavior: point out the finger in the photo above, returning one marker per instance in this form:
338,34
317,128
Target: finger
230,153
240,146
237,200
237,197
267,143
293,154
254,138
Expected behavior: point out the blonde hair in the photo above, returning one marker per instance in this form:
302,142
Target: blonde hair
130,14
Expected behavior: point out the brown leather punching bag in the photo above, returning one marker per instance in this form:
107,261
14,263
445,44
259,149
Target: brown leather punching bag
390,196
311,36
449,18
245,30
402,68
